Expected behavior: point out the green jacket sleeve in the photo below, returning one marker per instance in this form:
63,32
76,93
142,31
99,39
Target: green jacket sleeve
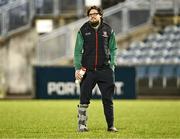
113,50
78,51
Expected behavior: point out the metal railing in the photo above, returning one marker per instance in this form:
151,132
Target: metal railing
4,3
59,7
16,16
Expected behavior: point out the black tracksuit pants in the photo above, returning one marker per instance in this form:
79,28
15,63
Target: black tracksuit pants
105,81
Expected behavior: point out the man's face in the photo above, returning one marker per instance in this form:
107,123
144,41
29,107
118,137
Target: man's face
94,16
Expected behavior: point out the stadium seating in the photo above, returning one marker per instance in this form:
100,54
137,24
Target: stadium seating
157,61
156,49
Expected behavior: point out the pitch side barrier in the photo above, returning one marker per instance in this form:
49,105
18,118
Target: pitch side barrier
58,83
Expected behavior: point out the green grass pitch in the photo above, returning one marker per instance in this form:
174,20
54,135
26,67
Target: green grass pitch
58,119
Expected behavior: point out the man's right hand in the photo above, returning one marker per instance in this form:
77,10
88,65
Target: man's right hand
78,75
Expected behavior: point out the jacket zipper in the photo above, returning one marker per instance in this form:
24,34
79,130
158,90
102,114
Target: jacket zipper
96,58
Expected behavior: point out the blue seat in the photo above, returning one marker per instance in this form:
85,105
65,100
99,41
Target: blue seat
168,71
178,71
155,76
141,72
154,71
142,77
169,76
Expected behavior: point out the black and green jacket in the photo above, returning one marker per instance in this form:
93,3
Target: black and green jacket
95,49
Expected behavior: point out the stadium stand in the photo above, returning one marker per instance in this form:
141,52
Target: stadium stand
154,51
158,58
19,38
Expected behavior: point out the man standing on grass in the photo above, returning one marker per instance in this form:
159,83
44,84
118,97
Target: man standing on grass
95,51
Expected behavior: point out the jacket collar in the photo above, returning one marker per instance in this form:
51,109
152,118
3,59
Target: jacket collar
100,26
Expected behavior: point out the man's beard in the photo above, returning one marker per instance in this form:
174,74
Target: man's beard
94,24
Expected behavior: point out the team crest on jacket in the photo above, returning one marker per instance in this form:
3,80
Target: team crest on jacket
105,34
88,33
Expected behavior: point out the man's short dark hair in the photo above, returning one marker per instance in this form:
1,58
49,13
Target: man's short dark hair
96,8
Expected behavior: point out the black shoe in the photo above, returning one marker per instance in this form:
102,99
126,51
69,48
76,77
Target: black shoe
112,129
